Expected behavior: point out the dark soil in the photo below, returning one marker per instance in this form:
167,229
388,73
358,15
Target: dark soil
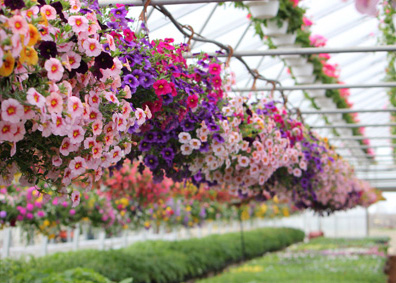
390,269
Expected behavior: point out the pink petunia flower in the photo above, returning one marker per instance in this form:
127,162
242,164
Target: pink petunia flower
54,103
48,11
92,47
368,7
75,198
18,25
7,130
76,134
54,69
75,107
214,69
11,110
35,98
77,166
192,101
78,23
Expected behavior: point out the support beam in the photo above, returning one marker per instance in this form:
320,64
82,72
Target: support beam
357,138
349,126
163,2
320,86
345,111
387,189
306,51
370,146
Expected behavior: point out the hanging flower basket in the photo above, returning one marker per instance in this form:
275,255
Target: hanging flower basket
273,29
263,9
303,70
282,40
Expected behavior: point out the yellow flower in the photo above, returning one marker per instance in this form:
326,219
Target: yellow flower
275,199
122,213
46,223
34,35
188,208
8,65
245,215
28,55
51,236
275,209
285,211
125,227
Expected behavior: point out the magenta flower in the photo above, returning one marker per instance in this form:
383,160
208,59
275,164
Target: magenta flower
192,101
162,87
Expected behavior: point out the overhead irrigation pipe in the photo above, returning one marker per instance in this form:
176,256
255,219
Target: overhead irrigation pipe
369,146
306,51
356,138
345,111
163,2
320,86
349,126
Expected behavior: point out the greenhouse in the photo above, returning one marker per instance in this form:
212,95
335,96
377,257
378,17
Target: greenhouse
197,141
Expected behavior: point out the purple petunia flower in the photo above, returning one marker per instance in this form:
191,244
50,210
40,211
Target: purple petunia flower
150,137
151,161
218,138
119,13
204,147
168,154
162,137
3,214
131,81
144,146
187,125
167,99
214,127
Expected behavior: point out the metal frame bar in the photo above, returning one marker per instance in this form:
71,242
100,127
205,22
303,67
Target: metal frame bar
321,86
348,126
163,2
356,138
371,146
306,51
205,23
344,111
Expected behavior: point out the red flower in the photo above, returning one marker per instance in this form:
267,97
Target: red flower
162,87
192,101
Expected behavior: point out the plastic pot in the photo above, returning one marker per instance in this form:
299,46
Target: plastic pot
305,79
282,40
303,70
263,9
272,28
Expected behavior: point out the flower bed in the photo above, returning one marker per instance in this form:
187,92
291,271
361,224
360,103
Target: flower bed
320,260
156,261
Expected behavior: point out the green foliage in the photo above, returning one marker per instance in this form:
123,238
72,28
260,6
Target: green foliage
306,263
152,261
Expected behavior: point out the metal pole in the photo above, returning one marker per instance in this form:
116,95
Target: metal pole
205,23
343,111
380,179
163,2
306,51
348,126
363,138
320,86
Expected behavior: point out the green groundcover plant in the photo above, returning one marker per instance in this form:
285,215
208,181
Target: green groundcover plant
320,260
151,261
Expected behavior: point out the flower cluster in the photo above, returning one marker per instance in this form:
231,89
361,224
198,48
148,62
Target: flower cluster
64,112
